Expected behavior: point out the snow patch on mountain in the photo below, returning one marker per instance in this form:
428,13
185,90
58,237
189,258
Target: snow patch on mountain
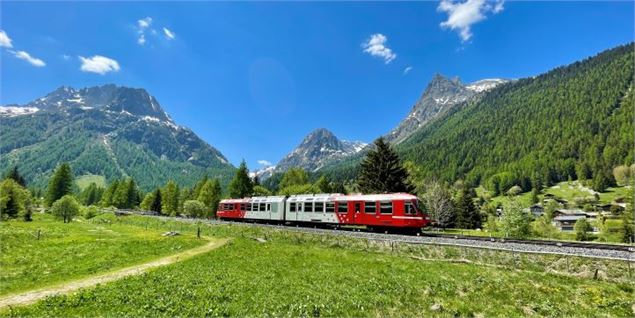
12,111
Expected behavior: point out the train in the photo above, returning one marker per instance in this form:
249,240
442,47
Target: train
391,211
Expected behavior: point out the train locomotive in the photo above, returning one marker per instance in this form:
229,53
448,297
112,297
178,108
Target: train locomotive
374,211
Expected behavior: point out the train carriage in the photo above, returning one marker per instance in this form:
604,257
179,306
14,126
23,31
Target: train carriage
375,211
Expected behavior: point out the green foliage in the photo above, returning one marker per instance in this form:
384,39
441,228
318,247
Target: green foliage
628,220
195,209
261,191
152,202
65,208
543,228
323,184
15,175
170,199
582,227
15,201
90,212
382,172
294,177
108,197
515,222
60,184
467,215
241,186
210,195
299,189
438,203
91,195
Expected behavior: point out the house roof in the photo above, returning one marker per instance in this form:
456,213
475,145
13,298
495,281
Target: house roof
569,217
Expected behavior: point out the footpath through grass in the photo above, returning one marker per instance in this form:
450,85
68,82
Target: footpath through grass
74,250
295,274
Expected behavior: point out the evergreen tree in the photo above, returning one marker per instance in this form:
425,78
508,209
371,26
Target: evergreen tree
338,187
132,195
241,186
382,172
109,194
156,204
210,195
92,194
15,175
467,215
60,184
170,198
323,185
197,188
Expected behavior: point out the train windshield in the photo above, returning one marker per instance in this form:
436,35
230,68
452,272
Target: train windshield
419,206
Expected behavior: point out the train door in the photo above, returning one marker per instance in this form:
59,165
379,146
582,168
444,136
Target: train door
357,213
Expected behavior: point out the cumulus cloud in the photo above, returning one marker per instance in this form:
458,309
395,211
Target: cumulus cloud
169,34
263,162
27,57
144,23
5,40
376,46
462,15
98,64
407,70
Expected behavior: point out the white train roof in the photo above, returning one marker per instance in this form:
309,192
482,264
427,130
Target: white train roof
376,197
321,197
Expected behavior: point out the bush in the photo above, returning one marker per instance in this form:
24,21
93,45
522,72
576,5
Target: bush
515,222
90,212
15,200
582,227
194,208
65,208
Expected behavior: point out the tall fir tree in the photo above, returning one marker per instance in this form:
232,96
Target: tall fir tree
241,186
15,175
156,204
170,198
382,172
60,184
467,215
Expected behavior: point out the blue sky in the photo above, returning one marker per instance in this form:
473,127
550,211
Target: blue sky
253,79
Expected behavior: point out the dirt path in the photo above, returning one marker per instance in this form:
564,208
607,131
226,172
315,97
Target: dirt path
29,297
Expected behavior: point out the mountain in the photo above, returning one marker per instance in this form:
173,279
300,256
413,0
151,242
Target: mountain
316,150
105,130
573,122
441,95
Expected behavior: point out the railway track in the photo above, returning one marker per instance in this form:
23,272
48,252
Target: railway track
594,250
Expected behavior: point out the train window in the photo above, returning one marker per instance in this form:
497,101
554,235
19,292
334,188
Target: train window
385,207
243,206
262,207
268,206
248,207
308,207
342,207
330,207
319,207
409,208
299,207
370,207
291,206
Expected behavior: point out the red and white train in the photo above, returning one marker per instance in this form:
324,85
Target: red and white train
375,211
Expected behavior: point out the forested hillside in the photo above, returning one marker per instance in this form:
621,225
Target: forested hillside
574,122
109,131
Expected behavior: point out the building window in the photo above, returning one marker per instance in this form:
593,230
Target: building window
319,207
330,207
292,207
370,207
342,207
308,207
385,207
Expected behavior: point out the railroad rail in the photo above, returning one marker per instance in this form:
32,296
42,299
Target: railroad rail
584,249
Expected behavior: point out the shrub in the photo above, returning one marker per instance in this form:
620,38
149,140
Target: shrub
582,227
194,208
65,208
90,212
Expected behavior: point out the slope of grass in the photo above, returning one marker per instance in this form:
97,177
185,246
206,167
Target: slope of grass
84,181
277,278
68,251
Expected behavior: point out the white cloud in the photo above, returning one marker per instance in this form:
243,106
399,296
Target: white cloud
407,70
66,57
263,162
169,34
142,39
376,46
5,40
462,15
144,23
27,57
99,64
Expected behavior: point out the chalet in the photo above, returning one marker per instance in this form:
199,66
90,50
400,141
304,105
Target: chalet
570,212
537,210
566,222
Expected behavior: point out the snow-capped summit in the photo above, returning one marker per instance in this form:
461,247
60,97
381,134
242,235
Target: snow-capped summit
485,84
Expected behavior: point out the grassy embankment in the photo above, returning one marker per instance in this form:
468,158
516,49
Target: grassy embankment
297,274
68,251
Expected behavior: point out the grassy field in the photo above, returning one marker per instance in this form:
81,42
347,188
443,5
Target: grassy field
85,180
294,274
74,250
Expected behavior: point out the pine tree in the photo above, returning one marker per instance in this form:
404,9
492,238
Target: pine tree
156,204
132,195
91,195
382,171
109,194
170,198
210,195
60,184
241,186
15,175
197,188
467,215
